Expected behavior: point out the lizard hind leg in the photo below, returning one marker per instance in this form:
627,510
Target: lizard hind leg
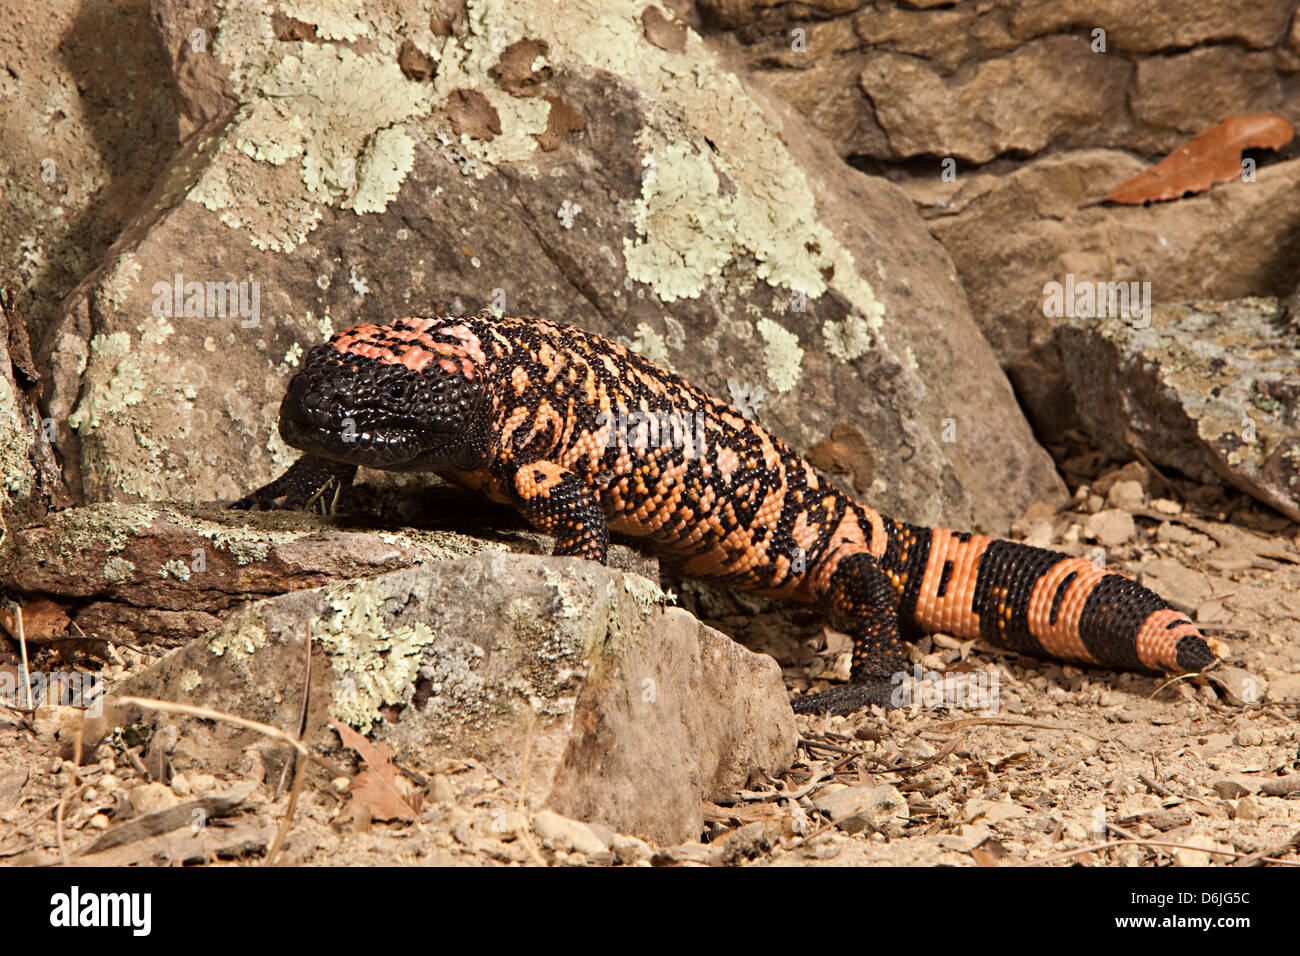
861,601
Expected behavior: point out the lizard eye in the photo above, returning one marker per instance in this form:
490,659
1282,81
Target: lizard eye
395,390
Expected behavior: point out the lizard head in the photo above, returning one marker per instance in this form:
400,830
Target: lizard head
408,396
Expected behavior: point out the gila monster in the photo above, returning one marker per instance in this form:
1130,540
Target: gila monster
584,437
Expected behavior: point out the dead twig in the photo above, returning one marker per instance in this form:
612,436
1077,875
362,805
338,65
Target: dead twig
74,782
833,748
299,764
1268,853
929,762
205,713
525,821
824,828
22,647
1155,786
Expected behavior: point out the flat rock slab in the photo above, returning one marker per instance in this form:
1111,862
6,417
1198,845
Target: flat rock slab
166,574
1211,389
631,712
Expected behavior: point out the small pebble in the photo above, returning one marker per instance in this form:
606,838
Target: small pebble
1248,808
1250,737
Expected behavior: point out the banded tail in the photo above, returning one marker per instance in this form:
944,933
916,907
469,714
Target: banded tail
1048,604
1016,596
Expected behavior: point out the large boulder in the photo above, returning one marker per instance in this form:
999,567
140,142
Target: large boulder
574,682
594,163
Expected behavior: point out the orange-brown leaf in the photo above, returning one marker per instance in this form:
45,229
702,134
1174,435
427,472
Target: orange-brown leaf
378,786
1212,156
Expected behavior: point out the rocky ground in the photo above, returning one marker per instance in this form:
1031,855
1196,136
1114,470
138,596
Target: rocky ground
1064,761
842,216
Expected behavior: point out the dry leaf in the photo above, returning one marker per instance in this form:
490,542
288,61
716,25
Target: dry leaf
378,788
472,115
562,119
291,29
414,63
43,621
514,71
1212,156
846,452
663,32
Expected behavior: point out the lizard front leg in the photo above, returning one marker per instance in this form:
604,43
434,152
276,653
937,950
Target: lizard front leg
299,484
861,601
557,502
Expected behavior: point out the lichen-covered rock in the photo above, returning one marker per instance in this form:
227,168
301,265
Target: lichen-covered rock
1012,234
1210,389
571,680
160,574
539,158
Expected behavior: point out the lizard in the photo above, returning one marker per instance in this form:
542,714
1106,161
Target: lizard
583,436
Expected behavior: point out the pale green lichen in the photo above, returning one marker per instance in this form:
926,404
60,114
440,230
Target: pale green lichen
104,528
239,638
119,377
375,664
848,338
782,355
155,331
325,325
176,568
16,440
686,231
120,280
647,595
333,19
329,116
190,679
651,344
125,389
387,159
118,570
